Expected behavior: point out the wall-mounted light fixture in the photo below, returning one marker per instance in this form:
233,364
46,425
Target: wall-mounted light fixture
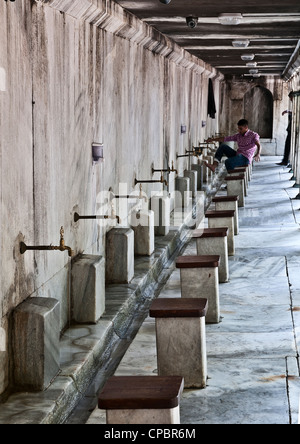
241,43
183,129
97,152
230,19
248,57
253,71
251,65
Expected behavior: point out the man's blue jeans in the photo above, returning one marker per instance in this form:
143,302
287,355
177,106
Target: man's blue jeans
234,160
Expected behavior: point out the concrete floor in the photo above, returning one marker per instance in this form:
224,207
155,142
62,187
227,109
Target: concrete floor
253,353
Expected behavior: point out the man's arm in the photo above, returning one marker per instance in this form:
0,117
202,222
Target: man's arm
216,139
258,153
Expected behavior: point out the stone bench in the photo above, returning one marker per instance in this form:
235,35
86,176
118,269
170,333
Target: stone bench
181,339
200,279
225,203
213,241
221,219
236,187
142,399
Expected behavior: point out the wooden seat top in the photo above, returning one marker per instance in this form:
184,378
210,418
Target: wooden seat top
239,177
238,170
226,199
179,308
197,261
219,214
210,232
141,392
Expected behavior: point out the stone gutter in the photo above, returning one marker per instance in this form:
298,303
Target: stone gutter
86,349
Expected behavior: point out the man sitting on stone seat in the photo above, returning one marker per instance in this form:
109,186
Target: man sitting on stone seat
248,148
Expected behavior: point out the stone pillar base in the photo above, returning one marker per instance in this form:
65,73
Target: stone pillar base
88,288
36,335
162,209
119,256
142,223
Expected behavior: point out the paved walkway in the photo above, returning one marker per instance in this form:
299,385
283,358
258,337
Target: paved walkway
253,354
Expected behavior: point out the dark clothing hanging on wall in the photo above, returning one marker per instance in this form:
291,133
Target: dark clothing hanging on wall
211,101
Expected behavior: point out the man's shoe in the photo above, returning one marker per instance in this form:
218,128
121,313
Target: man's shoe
282,164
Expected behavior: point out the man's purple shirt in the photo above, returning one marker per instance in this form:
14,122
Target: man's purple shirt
247,143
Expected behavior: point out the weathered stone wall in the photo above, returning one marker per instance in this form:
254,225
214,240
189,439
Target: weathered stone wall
235,106
74,73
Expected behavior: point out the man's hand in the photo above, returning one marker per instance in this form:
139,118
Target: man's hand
257,158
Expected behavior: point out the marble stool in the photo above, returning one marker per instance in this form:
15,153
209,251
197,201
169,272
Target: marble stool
199,277
236,187
142,399
181,339
246,170
213,241
221,219
241,172
224,203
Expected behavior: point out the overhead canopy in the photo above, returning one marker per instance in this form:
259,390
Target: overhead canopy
271,26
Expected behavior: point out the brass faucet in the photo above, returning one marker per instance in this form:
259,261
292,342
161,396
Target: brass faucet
140,197
169,170
61,247
77,217
153,181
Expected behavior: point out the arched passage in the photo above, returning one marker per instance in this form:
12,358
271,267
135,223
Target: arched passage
258,109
